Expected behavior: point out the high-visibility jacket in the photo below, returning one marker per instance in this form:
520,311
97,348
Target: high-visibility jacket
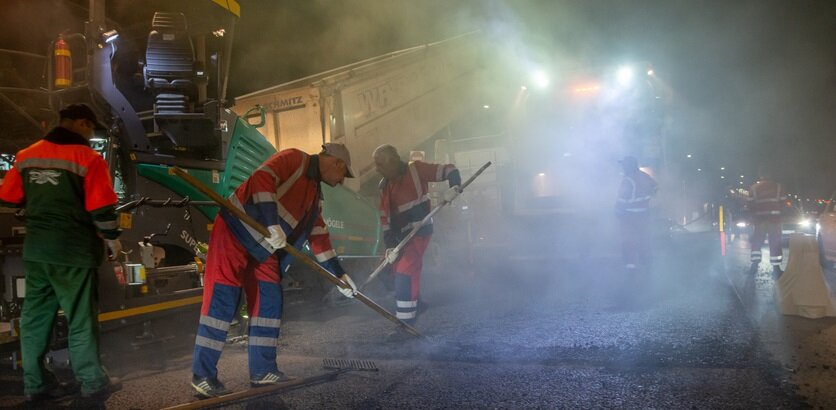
284,191
767,199
66,189
635,193
405,201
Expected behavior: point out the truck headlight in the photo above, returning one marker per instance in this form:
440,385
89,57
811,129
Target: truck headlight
741,224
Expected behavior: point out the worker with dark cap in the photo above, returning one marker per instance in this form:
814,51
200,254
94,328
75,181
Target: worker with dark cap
404,202
633,210
67,192
283,194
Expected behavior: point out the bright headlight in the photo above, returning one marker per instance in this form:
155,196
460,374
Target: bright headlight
805,223
741,224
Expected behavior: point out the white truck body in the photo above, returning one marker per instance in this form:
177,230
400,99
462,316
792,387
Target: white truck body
402,98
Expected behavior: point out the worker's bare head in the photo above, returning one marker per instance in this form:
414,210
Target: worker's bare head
335,164
387,162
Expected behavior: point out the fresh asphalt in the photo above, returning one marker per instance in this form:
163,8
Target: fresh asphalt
532,333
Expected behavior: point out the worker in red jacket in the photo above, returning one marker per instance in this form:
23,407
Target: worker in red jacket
404,202
632,208
284,195
766,199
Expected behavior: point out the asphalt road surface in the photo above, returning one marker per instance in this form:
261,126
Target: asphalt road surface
539,333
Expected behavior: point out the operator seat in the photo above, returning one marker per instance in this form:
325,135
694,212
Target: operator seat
172,79
169,64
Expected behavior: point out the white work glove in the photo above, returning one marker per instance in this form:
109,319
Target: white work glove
391,255
452,193
277,238
115,248
348,292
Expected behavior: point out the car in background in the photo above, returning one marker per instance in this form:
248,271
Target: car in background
826,233
795,219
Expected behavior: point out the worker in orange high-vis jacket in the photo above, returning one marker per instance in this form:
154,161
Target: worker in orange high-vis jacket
404,202
66,190
766,200
632,208
283,194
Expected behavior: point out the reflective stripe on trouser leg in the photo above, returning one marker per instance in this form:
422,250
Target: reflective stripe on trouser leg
213,327
406,305
265,321
408,278
776,246
756,240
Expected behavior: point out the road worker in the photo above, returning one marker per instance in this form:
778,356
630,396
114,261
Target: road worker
404,202
283,194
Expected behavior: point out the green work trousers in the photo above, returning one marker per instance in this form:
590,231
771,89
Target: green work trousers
72,289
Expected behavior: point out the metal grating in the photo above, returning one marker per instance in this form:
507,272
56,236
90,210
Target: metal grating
340,364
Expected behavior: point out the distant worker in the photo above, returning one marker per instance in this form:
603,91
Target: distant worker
283,194
404,202
633,211
67,192
766,199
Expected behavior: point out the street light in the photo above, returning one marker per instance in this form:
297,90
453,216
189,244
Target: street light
625,75
540,79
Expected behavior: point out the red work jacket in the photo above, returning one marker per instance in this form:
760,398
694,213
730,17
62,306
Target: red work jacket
767,199
284,191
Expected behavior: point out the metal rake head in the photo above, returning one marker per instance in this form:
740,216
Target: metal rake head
345,364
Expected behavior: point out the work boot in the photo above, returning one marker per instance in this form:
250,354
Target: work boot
55,392
268,379
113,385
208,387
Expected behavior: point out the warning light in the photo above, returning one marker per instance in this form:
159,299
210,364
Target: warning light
586,89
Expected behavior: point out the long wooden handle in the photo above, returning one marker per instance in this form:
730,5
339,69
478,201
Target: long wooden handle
240,214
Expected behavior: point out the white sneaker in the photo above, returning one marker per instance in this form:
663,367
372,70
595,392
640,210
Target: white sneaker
268,379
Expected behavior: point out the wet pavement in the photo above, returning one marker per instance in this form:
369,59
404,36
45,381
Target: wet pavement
805,348
544,333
